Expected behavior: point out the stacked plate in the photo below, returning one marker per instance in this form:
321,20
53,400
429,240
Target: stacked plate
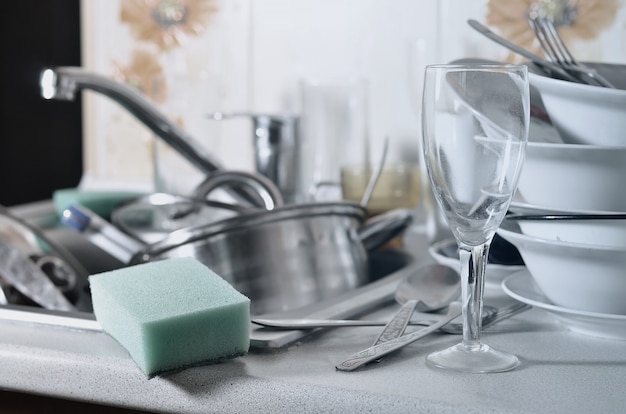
522,287
575,267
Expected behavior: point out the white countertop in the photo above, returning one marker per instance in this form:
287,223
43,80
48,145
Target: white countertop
560,371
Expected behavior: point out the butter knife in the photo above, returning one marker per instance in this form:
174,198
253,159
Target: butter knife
374,352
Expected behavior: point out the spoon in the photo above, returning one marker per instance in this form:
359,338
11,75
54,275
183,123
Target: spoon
490,318
434,287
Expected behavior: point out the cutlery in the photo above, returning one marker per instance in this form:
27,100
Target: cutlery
556,51
397,325
371,184
101,233
434,287
374,352
542,63
491,316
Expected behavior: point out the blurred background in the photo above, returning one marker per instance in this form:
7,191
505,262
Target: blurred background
196,57
40,142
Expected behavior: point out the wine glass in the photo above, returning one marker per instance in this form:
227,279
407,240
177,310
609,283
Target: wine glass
475,121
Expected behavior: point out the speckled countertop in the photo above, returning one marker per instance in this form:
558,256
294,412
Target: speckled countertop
560,372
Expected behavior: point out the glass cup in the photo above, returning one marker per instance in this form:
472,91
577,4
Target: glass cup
398,186
475,121
333,133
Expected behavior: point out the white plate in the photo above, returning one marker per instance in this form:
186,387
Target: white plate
521,286
494,275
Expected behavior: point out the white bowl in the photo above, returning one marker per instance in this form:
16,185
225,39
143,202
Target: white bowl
579,276
604,232
586,114
569,176
445,253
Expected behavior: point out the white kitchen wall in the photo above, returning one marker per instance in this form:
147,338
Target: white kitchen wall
252,55
209,73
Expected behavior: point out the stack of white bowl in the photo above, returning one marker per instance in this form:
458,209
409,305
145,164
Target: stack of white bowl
579,265
587,170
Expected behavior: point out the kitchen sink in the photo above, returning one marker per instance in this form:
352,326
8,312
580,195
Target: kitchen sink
386,266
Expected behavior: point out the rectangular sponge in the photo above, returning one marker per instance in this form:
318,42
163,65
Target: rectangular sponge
172,313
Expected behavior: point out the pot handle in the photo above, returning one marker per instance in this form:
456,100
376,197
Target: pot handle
379,229
261,186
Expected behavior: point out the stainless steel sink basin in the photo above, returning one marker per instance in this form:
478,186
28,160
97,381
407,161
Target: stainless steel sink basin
382,264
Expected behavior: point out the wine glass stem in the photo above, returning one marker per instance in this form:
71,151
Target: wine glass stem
473,265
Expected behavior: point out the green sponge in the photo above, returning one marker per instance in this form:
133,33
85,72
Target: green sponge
172,313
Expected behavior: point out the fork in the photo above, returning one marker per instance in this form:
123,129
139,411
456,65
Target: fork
557,52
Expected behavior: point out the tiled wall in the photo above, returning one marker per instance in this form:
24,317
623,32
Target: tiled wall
251,56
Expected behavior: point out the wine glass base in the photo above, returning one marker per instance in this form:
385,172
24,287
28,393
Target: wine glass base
479,360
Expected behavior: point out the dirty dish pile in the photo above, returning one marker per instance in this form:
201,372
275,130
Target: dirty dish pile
584,172
574,177
578,266
574,267
586,114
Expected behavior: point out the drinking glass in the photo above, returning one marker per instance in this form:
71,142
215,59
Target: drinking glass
475,121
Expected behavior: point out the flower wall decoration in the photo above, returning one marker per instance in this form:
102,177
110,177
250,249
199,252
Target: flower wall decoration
167,23
574,19
163,65
145,73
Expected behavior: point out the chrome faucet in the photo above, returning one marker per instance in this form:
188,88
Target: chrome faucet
63,83
275,148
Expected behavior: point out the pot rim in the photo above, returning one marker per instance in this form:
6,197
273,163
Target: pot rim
184,236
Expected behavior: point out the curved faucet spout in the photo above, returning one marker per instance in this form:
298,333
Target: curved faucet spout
63,82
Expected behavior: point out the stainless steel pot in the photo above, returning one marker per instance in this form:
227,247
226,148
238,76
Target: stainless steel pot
282,259
151,218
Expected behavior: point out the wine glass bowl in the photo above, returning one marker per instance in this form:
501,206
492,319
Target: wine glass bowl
475,121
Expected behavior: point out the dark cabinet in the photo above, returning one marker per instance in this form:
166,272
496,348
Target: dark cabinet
40,141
